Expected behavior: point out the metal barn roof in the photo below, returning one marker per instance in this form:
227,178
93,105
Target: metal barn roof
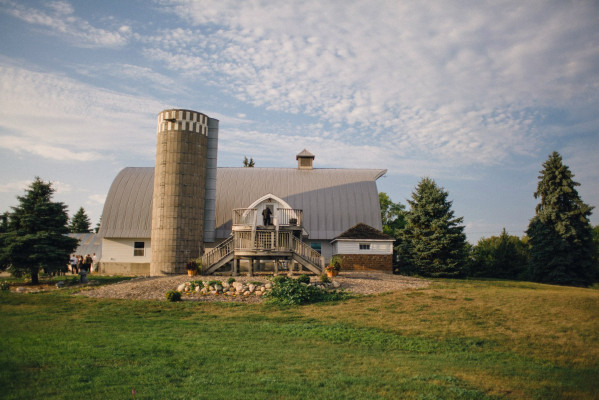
332,200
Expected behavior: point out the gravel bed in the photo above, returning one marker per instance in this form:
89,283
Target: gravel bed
154,288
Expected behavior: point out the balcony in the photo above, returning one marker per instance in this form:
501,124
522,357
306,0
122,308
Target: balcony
284,217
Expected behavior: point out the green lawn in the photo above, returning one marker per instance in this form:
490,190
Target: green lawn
452,340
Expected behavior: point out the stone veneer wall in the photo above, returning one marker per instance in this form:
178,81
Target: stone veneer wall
367,262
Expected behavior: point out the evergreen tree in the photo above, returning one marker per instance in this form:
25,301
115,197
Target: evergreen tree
35,234
248,163
393,215
80,223
433,243
504,256
562,249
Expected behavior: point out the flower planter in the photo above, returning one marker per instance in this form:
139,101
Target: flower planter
191,272
332,274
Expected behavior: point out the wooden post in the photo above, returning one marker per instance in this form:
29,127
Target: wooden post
235,266
276,272
251,267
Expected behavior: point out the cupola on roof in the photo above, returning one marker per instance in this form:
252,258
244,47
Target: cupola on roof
305,159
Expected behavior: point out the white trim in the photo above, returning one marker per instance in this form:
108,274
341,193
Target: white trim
272,197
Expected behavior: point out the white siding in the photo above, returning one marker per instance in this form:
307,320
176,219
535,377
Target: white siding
353,247
121,250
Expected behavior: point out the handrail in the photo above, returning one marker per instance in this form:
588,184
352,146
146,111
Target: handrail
307,252
244,216
218,253
290,216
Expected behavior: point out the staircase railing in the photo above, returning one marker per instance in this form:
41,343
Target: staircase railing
218,253
308,253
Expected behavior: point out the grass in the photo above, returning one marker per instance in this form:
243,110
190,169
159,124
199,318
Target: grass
452,340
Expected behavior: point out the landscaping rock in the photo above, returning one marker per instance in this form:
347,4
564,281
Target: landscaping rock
21,289
181,287
60,284
336,284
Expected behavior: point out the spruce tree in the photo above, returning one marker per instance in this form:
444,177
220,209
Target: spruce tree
433,242
35,234
561,241
80,222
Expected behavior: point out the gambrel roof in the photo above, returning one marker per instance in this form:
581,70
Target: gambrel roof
332,200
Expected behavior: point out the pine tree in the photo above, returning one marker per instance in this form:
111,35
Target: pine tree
34,235
562,249
433,243
248,163
80,223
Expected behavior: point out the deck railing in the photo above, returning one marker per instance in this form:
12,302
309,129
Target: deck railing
289,216
244,216
283,216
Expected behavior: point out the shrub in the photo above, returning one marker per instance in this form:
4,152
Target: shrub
212,283
303,279
4,286
230,280
324,279
173,295
288,291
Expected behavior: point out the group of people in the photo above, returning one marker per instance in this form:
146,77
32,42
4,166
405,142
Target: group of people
79,262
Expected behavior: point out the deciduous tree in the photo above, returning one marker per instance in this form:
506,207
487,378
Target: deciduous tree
35,233
393,215
504,256
433,242
561,241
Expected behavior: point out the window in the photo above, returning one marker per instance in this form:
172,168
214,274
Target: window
317,247
364,246
138,249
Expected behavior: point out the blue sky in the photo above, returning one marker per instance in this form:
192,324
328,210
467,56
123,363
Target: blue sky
473,94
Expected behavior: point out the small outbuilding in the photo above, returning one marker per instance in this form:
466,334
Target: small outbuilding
364,248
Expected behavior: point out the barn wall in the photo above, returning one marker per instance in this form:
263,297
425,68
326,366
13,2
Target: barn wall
121,250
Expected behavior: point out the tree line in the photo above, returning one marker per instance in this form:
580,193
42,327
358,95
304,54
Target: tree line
560,245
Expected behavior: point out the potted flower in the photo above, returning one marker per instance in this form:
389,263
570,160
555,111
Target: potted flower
334,266
193,267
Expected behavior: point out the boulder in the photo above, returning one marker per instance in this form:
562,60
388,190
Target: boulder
251,288
60,284
218,288
181,287
336,284
268,285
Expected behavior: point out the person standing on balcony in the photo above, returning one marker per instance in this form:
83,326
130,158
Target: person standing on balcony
266,214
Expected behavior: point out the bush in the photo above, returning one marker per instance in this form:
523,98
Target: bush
173,295
230,281
4,286
214,283
324,279
303,279
289,291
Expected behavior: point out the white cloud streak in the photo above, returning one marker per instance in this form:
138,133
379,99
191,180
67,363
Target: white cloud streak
464,84
59,118
59,19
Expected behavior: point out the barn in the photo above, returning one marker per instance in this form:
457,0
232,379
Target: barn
251,219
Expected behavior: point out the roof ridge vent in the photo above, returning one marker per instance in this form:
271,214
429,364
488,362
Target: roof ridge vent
305,160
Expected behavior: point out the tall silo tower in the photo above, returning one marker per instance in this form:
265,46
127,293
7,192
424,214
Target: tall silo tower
179,189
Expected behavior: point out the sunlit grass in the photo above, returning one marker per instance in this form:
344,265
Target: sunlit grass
454,339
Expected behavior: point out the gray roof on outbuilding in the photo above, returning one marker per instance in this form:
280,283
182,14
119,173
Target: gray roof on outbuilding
332,200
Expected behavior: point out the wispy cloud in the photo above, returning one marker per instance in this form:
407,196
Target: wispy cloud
59,118
462,84
59,19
